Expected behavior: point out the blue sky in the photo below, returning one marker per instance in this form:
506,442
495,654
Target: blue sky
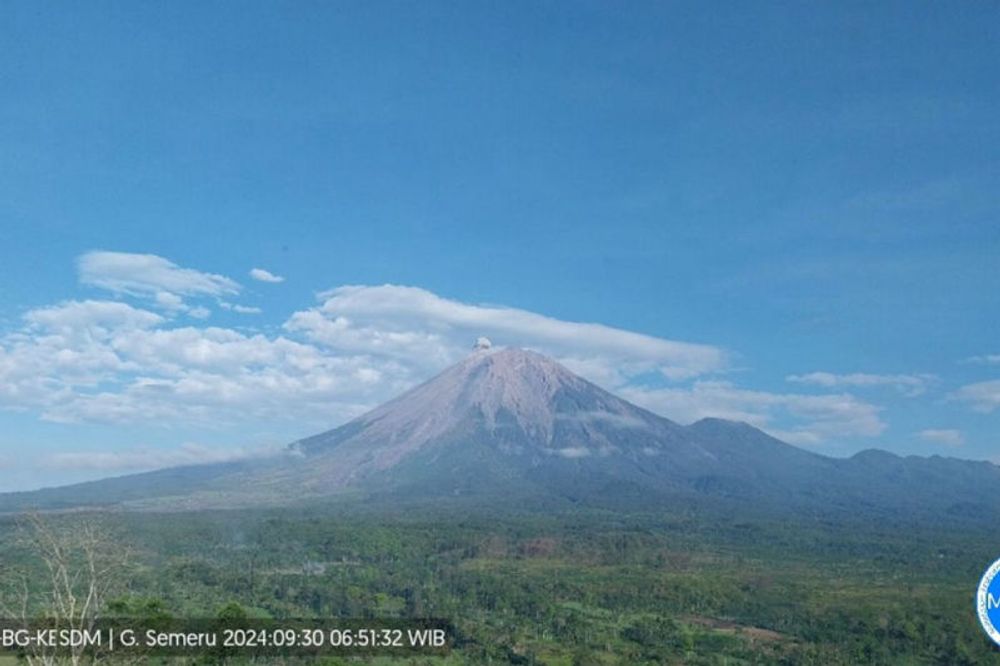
783,213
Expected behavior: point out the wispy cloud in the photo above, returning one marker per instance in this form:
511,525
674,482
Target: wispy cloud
240,309
107,361
91,316
110,362
981,396
947,437
413,323
811,418
262,275
148,276
148,458
984,359
911,385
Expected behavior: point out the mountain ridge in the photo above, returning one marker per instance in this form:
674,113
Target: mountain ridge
511,422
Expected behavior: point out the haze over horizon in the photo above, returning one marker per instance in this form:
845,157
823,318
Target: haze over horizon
223,232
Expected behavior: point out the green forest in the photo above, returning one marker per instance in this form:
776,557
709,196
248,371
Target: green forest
563,588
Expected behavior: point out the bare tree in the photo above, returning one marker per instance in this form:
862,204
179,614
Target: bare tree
74,566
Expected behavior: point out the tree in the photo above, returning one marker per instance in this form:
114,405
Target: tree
73,566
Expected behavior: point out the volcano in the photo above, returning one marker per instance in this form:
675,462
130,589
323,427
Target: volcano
513,425
509,414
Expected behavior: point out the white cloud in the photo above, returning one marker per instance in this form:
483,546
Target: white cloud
946,437
262,275
66,347
169,301
162,282
985,359
241,309
423,328
815,418
148,275
103,361
91,316
219,375
911,385
981,396
149,458
109,362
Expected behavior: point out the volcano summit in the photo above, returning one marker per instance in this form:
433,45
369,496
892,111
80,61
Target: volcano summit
510,424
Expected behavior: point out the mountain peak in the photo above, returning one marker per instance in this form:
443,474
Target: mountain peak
509,420
516,397
513,365
490,383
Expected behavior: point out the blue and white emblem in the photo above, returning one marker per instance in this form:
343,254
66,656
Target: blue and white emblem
988,602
